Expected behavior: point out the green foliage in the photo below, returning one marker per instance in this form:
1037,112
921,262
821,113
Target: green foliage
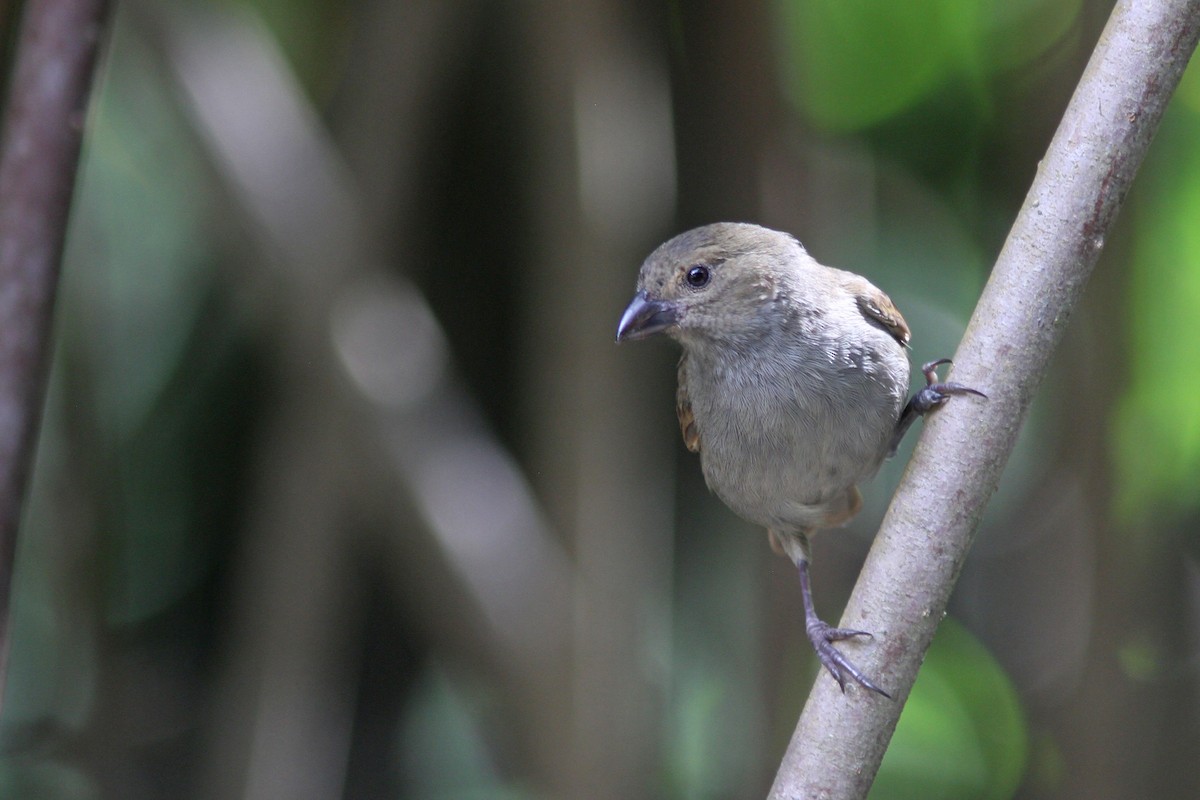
135,297
1156,430
852,65
962,733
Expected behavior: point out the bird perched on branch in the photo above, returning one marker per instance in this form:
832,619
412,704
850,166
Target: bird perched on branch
792,385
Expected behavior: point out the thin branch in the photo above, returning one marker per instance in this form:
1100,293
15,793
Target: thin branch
56,56
1036,283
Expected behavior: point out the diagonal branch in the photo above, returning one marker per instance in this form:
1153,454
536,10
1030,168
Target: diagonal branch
56,56
1036,283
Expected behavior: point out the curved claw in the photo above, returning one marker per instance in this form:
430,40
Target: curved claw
956,388
822,636
838,634
933,395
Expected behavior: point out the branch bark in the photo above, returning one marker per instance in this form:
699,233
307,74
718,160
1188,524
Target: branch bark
1040,274
55,60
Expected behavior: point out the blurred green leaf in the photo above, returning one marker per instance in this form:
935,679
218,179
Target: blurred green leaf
694,771
962,733
136,292
1014,32
1188,93
1156,430
154,357
137,258
851,65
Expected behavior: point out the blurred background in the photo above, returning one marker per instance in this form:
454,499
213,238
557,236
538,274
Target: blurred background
344,490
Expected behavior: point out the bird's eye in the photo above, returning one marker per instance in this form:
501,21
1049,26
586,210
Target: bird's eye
697,276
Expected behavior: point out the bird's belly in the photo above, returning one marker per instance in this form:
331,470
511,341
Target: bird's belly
787,465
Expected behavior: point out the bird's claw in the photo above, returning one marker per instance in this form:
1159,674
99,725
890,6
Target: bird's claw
935,392
822,637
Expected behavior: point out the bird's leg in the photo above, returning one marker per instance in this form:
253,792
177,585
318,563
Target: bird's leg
927,399
820,633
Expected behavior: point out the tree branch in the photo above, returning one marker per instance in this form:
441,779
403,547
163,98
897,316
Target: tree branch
1036,283
56,56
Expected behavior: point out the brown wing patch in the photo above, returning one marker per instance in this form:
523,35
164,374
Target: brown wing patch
683,409
878,307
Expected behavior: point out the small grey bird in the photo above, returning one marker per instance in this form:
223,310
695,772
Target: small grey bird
792,385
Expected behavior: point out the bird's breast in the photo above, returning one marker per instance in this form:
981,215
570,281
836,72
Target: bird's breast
782,437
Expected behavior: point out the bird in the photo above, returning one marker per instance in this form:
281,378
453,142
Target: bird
792,386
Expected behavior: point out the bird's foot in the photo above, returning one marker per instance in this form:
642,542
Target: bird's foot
822,636
935,392
933,395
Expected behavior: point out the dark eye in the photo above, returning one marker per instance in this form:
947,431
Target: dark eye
697,276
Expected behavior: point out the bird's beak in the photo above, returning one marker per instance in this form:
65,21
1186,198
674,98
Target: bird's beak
645,317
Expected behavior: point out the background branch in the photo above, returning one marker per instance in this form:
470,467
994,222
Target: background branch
52,79
906,582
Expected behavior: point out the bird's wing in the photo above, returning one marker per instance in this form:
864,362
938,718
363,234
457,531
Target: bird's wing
879,309
683,409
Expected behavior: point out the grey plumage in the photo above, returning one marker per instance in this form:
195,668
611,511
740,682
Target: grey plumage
791,384
794,389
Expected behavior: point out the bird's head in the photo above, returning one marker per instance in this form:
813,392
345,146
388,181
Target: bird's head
715,283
